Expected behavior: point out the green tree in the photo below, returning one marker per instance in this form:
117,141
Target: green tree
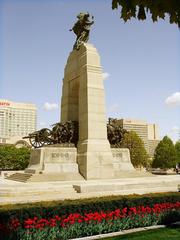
177,148
156,9
14,158
139,156
165,154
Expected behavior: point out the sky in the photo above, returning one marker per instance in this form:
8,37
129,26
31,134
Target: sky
140,60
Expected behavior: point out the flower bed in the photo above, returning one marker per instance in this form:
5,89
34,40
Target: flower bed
63,225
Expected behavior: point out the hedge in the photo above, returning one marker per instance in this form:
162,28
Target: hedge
12,158
76,218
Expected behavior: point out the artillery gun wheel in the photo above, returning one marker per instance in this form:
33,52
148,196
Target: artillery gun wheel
43,138
49,138
35,143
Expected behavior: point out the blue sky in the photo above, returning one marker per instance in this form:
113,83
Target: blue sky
141,60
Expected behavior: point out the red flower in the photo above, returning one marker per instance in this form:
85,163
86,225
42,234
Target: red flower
29,221
95,217
14,224
57,218
133,209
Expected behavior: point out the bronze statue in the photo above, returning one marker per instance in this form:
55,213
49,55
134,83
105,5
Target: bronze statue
67,133
115,133
81,28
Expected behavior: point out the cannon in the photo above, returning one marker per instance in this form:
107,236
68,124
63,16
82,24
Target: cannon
40,138
66,132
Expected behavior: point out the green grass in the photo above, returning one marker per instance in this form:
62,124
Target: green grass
162,234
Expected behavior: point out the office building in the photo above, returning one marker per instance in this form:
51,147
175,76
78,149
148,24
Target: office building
153,138
16,120
149,133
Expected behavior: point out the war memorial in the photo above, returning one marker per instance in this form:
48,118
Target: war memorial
75,159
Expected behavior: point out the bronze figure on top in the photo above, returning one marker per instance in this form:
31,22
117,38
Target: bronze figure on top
82,28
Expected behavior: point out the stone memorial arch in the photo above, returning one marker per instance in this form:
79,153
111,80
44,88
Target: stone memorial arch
83,100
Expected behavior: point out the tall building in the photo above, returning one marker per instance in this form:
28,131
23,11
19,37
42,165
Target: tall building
153,138
140,127
16,120
149,133
153,132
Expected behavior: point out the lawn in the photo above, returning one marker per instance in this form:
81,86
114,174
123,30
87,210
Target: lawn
163,233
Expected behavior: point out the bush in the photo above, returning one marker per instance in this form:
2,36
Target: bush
12,158
165,154
177,148
77,218
139,156
170,217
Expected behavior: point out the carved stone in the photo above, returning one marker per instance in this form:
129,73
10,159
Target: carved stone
121,159
53,160
83,100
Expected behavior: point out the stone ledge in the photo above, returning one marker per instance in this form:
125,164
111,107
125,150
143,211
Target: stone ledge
124,232
129,186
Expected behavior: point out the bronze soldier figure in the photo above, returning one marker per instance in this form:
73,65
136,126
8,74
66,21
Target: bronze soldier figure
82,28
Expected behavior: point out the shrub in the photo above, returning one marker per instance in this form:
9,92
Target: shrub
165,154
177,148
77,218
139,156
12,158
170,217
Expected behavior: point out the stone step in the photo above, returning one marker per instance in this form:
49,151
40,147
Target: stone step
12,192
19,177
45,177
123,186
51,177
73,195
32,191
128,192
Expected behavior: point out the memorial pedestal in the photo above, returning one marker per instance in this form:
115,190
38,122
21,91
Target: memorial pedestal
53,160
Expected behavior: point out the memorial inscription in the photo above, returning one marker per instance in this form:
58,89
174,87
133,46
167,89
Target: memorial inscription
63,155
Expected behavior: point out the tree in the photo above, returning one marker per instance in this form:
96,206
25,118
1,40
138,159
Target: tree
139,156
157,9
165,154
177,148
12,158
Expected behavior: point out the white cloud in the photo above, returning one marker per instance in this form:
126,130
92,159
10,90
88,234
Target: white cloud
113,108
175,129
105,75
173,100
50,106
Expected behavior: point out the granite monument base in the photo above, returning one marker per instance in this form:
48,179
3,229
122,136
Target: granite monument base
62,164
52,163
